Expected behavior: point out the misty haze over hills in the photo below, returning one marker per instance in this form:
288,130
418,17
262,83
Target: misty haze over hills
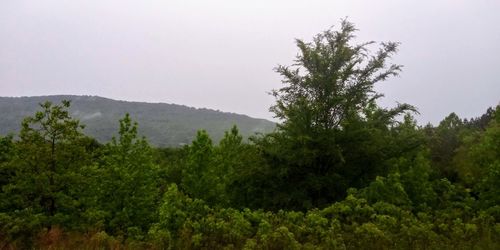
163,124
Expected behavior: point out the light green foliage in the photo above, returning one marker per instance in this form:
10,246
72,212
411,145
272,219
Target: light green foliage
126,185
415,177
389,189
210,170
350,224
190,224
200,179
229,155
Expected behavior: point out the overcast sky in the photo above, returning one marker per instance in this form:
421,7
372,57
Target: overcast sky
221,54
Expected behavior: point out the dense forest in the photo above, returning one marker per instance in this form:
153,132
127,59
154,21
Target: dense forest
339,172
165,125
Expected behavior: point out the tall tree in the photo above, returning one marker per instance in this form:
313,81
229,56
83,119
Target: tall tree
486,158
331,81
444,142
332,132
199,177
128,187
229,155
48,176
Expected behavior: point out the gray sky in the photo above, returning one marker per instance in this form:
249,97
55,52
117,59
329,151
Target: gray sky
221,54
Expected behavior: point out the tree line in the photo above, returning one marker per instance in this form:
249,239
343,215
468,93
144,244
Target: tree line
339,172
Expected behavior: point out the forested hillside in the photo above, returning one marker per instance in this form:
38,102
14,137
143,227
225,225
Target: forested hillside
163,124
340,172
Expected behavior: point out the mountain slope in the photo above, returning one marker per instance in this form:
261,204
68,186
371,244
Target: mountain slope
162,124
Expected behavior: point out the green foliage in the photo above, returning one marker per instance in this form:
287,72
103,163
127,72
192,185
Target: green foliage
444,143
339,173
126,186
6,147
171,162
200,178
211,171
337,82
417,182
486,156
350,224
165,125
6,154
229,154
46,172
333,135
389,190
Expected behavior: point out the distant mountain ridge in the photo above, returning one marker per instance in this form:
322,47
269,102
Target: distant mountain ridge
161,123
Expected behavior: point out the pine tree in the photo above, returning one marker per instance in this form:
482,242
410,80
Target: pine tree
48,175
128,189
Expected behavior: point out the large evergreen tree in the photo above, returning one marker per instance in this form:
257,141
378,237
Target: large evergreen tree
47,169
333,135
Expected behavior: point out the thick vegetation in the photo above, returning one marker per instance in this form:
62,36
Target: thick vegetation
165,125
339,172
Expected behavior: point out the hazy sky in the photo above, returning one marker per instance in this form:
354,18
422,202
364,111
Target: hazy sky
221,54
